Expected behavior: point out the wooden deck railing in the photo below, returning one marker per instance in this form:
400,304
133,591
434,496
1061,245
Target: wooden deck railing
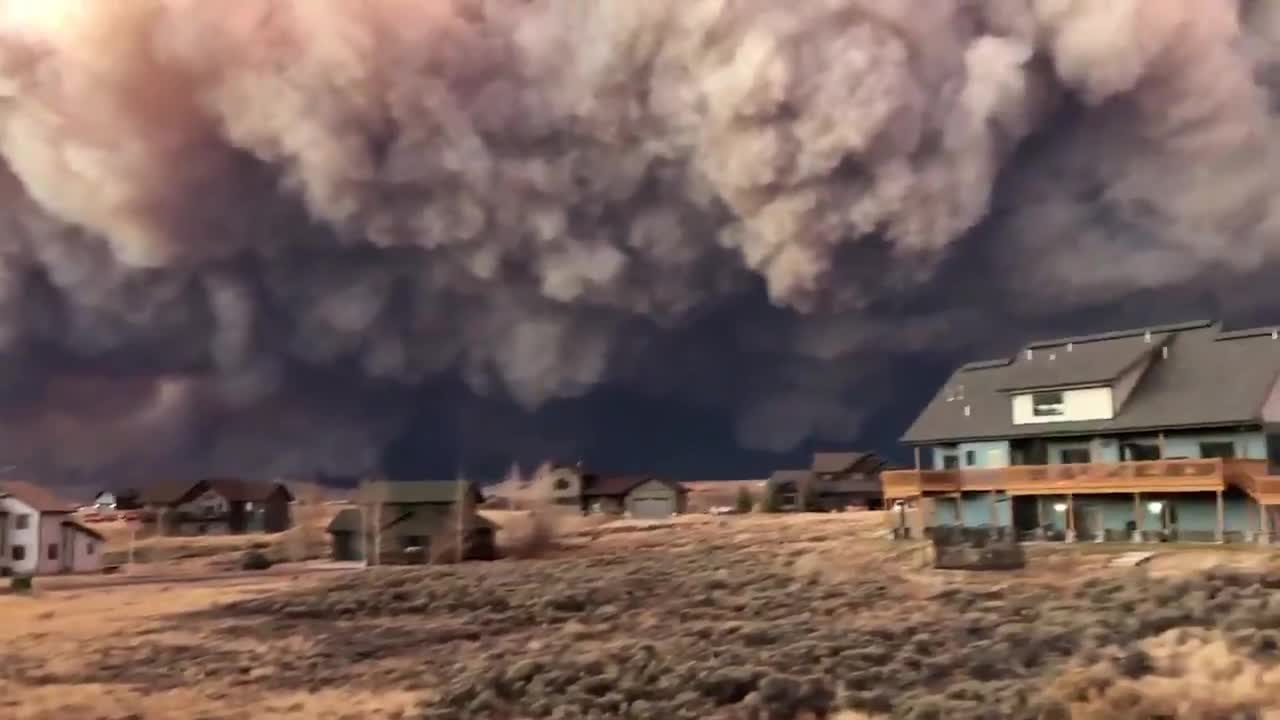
1085,478
1251,476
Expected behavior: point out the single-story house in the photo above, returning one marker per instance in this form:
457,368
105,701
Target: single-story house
39,534
639,496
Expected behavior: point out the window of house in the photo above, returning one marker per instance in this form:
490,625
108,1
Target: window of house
562,483
19,552
970,457
88,549
1047,404
22,522
1140,451
53,551
950,462
1073,456
1217,450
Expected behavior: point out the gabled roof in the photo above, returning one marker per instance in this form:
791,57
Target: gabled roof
347,520
790,476
416,492
34,496
421,521
837,462
1209,379
617,486
1080,364
175,492
86,530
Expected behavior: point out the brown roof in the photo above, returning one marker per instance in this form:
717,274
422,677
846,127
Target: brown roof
38,498
618,486
86,530
233,489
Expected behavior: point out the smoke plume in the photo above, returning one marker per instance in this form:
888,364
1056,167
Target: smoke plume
232,235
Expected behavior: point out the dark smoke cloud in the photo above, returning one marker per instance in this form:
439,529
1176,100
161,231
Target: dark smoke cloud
234,236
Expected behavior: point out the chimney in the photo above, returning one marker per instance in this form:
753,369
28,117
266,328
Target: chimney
1164,352
1275,334
1028,353
1070,346
1146,336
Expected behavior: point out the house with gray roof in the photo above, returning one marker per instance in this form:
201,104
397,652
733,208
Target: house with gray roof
413,522
1161,432
834,481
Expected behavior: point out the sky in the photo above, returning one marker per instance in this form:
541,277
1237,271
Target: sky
694,237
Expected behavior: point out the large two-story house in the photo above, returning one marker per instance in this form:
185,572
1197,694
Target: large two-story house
1154,433
413,522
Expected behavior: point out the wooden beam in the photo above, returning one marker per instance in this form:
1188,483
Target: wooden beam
1221,518
1071,517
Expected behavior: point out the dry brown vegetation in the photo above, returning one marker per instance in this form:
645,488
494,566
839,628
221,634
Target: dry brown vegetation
765,617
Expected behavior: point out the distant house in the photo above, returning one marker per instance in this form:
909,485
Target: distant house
111,500
835,481
413,522
39,535
217,506
848,479
640,496
709,495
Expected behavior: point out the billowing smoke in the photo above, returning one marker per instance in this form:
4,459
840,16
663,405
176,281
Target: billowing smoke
233,234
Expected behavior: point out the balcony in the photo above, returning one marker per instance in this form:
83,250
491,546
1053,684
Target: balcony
1252,477
1087,478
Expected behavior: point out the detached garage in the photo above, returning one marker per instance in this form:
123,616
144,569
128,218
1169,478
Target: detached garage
641,497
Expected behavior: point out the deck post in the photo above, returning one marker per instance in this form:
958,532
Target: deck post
1264,527
1219,537
991,503
917,449
1071,518
1137,518
1160,440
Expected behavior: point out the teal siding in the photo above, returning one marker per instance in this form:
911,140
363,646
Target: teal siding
1194,512
1106,450
1248,444
945,512
985,454
975,509
1240,514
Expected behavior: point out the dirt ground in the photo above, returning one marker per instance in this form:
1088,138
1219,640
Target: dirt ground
735,617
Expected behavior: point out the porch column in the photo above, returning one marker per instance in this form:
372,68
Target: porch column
991,503
1264,525
1137,518
1219,536
1160,440
917,449
1070,518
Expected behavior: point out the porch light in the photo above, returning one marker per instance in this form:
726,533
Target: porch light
899,506
1155,506
1060,507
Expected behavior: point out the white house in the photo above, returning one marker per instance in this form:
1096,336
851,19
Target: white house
39,534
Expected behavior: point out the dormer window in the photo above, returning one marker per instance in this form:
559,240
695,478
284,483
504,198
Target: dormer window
1047,404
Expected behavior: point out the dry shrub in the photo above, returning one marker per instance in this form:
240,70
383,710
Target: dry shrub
1196,675
529,534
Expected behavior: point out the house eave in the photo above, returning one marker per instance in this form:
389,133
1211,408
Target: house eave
921,442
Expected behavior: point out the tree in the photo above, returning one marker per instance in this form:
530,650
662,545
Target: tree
772,502
745,501
808,497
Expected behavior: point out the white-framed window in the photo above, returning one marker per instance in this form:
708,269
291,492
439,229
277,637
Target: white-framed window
1047,404
21,522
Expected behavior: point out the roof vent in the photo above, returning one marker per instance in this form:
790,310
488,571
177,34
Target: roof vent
1164,352
1146,336
966,411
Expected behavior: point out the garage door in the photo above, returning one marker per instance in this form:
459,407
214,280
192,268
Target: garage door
651,507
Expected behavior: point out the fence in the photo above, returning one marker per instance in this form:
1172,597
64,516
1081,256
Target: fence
988,547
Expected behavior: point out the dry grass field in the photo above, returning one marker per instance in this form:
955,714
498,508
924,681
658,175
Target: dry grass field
740,617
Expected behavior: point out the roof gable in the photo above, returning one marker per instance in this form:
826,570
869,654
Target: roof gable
34,496
617,486
442,492
1207,379
839,462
